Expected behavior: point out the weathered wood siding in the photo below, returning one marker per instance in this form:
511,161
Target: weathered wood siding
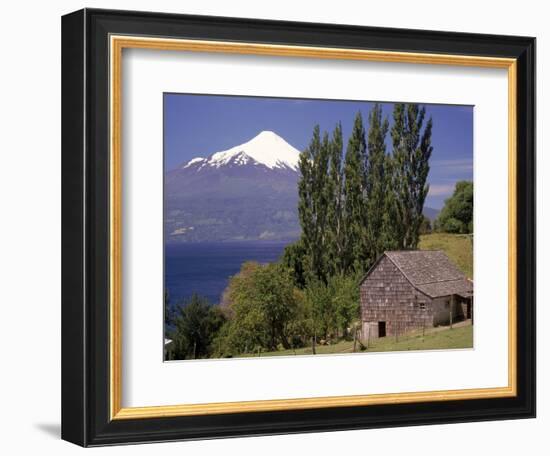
441,311
386,295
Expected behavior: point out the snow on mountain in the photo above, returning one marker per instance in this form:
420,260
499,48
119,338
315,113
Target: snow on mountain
193,161
267,148
248,192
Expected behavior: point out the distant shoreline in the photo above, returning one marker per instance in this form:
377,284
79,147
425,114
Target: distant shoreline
232,241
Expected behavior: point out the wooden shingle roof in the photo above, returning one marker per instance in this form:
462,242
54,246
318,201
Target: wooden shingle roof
431,272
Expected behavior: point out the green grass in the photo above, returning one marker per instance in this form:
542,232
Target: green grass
458,247
434,339
438,339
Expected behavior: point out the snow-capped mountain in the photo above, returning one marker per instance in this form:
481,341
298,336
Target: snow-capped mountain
246,192
266,149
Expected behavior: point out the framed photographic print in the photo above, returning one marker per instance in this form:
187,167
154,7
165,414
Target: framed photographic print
278,227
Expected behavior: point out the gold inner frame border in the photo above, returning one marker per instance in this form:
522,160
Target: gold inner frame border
117,44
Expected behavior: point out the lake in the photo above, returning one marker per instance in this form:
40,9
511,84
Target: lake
205,268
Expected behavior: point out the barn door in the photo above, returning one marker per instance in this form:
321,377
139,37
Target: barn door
381,329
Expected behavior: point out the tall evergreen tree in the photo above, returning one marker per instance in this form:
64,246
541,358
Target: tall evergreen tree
376,183
353,208
305,197
312,204
335,231
411,151
320,209
390,231
355,252
400,171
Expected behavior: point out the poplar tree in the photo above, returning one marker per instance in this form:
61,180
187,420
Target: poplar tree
355,255
305,196
390,232
320,209
312,204
335,230
353,208
377,188
411,151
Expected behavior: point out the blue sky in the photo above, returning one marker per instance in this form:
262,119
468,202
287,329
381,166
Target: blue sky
199,125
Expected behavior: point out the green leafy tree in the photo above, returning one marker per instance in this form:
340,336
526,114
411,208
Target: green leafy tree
299,328
315,204
334,190
355,256
306,190
273,293
320,207
412,150
345,298
295,261
353,207
321,307
377,187
245,331
196,327
457,213
318,247
332,306
391,231
262,304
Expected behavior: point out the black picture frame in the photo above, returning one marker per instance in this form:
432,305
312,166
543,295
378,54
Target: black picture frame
85,228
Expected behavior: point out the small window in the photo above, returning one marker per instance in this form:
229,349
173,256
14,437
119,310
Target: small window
422,306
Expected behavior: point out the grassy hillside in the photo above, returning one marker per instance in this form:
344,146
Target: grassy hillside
458,247
434,339
438,339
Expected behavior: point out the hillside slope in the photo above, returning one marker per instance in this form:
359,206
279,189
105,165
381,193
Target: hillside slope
459,248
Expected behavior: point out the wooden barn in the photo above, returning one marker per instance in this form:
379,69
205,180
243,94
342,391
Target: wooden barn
413,289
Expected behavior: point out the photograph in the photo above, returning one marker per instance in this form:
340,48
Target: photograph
268,225
301,227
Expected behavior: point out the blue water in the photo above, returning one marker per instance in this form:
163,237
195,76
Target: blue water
205,268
